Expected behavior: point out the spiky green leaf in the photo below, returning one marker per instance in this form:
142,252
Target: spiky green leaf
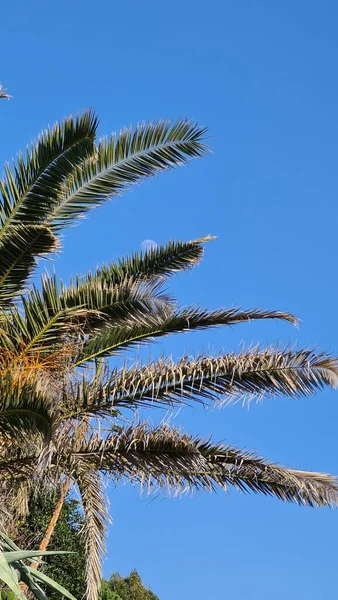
166,320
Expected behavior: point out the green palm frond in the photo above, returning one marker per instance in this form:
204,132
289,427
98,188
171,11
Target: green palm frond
30,192
19,249
112,294
30,189
24,408
160,262
95,523
57,312
165,457
166,320
126,159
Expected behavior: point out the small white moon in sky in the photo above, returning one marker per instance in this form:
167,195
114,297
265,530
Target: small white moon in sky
148,245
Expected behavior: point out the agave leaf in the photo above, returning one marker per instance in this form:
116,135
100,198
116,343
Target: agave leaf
24,554
53,584
7,577
30,583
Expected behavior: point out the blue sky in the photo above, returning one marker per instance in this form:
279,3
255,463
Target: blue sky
262,76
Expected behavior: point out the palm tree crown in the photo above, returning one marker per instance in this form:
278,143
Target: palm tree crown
55,340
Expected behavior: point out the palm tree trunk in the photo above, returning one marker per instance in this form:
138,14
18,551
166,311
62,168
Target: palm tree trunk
54,519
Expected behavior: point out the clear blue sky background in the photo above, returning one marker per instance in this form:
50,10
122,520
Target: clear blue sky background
262,76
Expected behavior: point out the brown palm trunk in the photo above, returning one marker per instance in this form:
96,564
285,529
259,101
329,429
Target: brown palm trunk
54,519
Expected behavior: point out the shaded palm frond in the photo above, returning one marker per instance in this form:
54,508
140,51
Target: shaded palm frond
24,407
165,457
95,523
167,320
19,249
125,159
17,468
160,262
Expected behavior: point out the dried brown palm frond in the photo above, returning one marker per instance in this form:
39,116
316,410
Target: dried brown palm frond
177,461
95,523
253,374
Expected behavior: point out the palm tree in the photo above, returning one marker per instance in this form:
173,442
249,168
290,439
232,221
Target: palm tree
57,387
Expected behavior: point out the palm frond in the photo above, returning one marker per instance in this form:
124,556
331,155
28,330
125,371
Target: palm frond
30,189
112,294
167,320
126,159
95,522
160,262
230,377
19,249
60,312
3,93
24,407
224,379
165,457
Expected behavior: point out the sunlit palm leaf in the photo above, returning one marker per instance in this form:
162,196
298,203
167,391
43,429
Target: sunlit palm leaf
95,522
30,192
80,309
224,379
126,159
30,189
168,320
230,377
166,457
160,262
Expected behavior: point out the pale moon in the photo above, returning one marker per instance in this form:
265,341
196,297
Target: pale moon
148,245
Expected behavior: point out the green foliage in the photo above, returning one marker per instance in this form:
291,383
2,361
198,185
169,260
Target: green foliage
106,592
126,588
19,572
67,570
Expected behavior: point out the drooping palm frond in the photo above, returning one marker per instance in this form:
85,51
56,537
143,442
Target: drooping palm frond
19,249
160,262
95,523
165,457
166,320
24,407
